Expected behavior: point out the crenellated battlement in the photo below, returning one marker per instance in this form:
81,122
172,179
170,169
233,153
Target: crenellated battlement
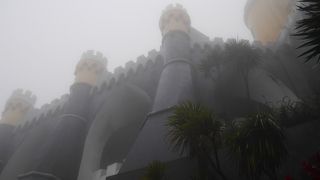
91,61
173,18
17,106
91,65
142,63
44,111
107,80
130,67
20,99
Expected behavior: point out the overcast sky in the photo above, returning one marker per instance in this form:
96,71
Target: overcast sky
42,40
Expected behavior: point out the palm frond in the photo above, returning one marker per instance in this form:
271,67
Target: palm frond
193,129
257,144
308,29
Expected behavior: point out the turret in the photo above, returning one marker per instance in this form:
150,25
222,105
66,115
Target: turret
267,18
61,154
174,18
175,27
90,67
17,107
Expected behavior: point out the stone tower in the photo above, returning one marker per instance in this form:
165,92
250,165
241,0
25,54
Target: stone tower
175,86
17,107
60,156
175,82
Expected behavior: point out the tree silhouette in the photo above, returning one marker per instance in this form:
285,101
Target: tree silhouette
242,56
212,63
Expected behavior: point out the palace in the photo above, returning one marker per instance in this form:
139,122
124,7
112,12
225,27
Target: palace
112,125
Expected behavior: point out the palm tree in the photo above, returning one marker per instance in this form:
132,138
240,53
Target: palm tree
154,171
212,63
257,144
242,56
308,29
195,130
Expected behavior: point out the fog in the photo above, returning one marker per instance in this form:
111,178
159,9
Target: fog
42,40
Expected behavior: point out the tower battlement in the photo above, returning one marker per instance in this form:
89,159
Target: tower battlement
90,66
174,18
19,96
17,106
92,60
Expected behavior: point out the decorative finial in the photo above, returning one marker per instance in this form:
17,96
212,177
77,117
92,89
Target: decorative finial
174,18
91,65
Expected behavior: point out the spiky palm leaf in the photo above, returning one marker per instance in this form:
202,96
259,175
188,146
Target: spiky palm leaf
308,29
257,145
193,129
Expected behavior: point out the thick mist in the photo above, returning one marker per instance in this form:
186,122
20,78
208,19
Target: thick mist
42,40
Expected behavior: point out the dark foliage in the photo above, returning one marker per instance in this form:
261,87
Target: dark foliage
195,130
242,54
292,113
213,62
308,29
239,56
257,144
154,171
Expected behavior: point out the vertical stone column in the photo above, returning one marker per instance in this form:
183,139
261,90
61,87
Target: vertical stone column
16,108
61,155
175,86
175,83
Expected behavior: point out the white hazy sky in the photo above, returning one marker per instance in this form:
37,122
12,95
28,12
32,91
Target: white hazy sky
42,40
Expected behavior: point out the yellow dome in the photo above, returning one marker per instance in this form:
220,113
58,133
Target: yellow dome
267,18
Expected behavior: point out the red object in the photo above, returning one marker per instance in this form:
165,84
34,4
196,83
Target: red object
312,167
288,178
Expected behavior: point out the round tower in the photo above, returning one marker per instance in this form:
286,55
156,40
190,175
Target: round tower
61,154
267,18
17,107
175,86
175,83
90,67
